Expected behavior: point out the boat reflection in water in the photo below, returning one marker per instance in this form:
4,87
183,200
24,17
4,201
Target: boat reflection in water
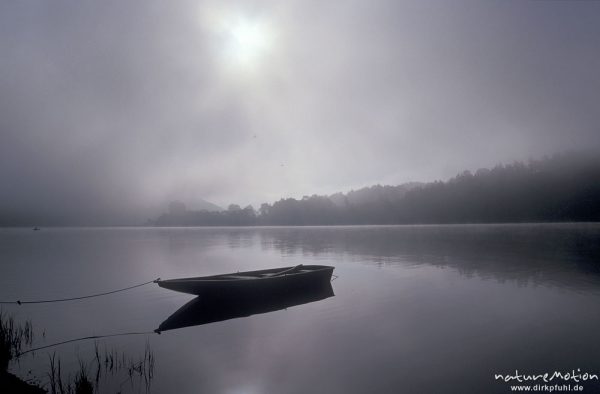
213,308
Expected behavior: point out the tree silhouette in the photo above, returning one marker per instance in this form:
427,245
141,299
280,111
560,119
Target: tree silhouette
563,187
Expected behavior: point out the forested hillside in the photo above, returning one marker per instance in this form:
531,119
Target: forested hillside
559,188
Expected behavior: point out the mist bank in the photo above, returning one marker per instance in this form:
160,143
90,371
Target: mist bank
561,188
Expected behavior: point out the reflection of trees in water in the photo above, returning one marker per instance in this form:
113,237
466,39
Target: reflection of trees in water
566,254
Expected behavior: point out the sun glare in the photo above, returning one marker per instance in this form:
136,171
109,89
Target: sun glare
248,43
244,42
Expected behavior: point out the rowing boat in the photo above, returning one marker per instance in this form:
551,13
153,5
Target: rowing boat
269,281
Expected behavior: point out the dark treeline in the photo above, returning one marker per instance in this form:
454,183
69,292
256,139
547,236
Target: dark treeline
563,187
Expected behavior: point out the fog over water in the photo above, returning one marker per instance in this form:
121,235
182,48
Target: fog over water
108,110
416,308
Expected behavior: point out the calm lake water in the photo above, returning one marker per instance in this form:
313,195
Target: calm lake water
417,309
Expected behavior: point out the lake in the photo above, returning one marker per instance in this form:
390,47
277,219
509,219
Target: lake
417,309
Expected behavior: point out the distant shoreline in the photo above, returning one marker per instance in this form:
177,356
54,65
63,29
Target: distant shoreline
308,226
559,189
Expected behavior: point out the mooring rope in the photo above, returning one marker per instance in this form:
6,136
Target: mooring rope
19,302
85,338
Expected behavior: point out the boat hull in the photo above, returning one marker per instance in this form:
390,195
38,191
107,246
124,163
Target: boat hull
268,282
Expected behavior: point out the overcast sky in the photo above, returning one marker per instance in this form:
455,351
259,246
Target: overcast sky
109,107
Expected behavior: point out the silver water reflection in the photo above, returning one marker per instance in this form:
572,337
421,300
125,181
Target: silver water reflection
417,308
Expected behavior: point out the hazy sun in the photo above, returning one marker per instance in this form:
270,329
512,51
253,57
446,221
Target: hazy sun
244,42
248,42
